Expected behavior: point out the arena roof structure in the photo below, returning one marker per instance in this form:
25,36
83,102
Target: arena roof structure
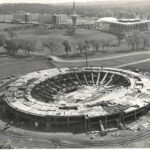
122,26
78,98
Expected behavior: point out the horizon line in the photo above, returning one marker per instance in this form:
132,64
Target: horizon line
63,1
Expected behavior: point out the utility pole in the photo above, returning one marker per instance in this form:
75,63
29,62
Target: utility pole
86,58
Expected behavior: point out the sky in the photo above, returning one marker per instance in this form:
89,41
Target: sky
53,1
42,1
48,1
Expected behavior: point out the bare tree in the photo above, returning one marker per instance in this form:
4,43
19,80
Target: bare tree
145,37
104,43
87,44
137,38
80,46
95,44
12,46
2,39
130,42
67,46
74,45
27,45
119,38
133,40
108,42
12,34
51,45
84,47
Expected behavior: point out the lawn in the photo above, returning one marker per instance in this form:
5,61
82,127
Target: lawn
59,36
39,34
142,66
11,66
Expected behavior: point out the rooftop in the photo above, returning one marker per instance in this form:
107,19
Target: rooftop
122,21
86,99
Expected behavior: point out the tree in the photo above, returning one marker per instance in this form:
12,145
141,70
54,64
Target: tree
67,46
133,40
83,46
74,45
108,42
87,44
2,39
137,38
145,37
12,46
96,45
27,45
104,43
80,46
70,31
12,34
51,45
130,42
119,38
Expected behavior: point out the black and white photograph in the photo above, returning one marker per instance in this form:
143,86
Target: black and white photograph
74,74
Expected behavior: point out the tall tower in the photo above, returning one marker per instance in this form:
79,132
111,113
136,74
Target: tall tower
74,7
74,16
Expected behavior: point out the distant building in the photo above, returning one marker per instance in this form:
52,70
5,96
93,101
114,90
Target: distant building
45,18
60,18
22,17
122,26
35,16
6,18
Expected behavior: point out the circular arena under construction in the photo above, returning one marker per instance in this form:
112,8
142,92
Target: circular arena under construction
79,99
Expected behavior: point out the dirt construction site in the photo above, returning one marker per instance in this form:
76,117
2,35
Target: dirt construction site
57,104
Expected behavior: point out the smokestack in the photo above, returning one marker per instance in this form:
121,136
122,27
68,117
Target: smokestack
74,7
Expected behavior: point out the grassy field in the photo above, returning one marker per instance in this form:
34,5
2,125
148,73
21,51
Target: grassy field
11,66
39,34
142,66
26,64
60,36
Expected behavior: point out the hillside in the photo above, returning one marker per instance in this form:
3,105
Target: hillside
93,8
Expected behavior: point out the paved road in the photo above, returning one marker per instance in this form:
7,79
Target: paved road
56,59
133,63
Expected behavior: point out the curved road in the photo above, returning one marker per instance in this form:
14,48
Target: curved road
57,59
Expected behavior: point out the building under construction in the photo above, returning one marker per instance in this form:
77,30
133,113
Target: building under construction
78,99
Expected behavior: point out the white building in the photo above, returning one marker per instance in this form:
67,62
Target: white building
60,18
45,18
122,26
6,18
22,17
